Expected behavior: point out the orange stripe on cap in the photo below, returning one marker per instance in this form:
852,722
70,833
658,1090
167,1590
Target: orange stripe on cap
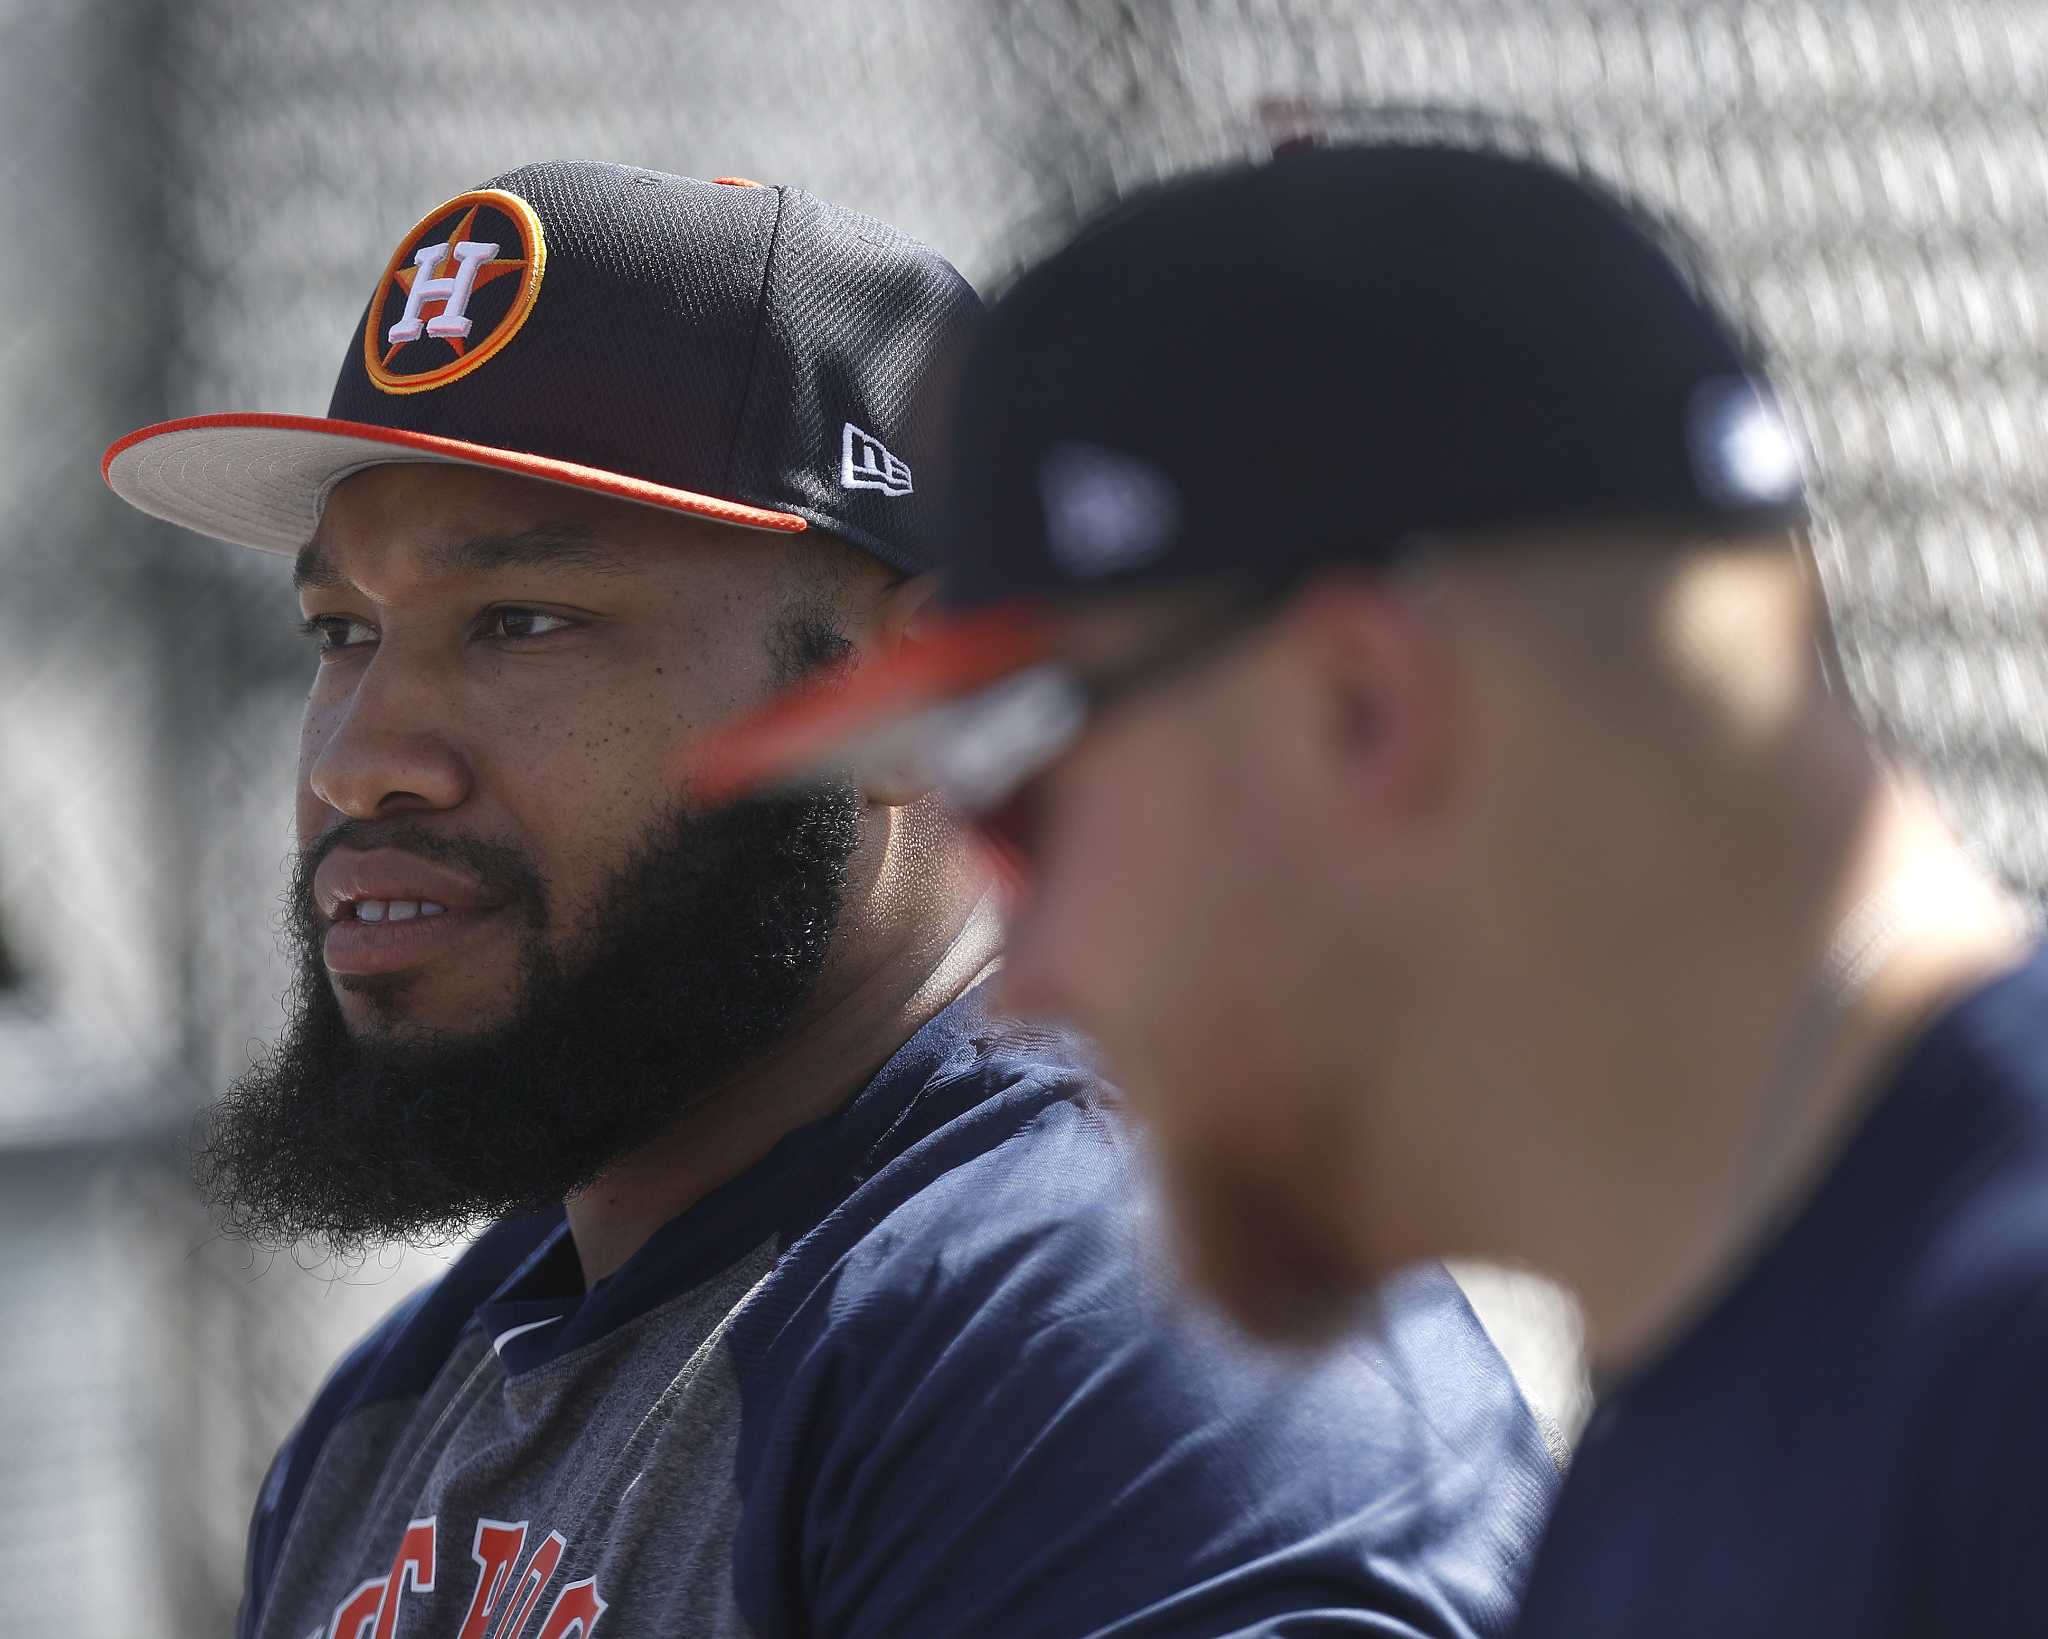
796,733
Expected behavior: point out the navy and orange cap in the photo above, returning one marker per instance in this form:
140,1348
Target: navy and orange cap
743,353
1329,358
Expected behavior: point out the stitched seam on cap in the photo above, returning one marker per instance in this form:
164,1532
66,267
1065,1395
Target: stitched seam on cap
739,426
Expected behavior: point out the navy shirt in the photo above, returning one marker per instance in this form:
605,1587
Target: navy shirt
911,1374
1854,1440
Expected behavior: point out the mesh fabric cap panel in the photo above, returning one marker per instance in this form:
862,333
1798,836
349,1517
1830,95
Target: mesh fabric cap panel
635,356
861,324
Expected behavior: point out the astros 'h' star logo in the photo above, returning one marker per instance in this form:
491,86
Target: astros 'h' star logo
456,290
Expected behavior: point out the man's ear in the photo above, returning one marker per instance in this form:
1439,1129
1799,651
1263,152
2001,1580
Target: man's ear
904,610
902,614
1381,682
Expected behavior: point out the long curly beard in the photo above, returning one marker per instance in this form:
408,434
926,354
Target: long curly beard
705,944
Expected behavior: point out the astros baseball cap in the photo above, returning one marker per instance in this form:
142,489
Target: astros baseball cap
734,351
1334,357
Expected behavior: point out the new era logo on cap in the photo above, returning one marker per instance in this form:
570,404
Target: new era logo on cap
1743,454
865,463
1103,510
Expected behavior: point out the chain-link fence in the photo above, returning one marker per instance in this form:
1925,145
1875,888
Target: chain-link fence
197,196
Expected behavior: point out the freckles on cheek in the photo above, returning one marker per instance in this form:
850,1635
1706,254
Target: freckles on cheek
599,773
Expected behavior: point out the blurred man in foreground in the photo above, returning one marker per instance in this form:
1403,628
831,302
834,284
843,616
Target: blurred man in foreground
1388,642
807,1309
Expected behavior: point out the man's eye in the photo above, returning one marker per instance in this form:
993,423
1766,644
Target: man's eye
332,632
519,623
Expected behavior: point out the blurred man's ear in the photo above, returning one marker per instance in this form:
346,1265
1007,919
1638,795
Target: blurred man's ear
1380,671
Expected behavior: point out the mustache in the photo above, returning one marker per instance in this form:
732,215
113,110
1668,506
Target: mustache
501,869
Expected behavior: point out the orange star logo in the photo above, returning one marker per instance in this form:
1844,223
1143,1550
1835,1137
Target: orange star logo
496,268
431,366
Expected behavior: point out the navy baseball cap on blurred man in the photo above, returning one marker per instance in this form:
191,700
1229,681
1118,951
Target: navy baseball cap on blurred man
1335,358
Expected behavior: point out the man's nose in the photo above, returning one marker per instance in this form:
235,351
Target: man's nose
387,748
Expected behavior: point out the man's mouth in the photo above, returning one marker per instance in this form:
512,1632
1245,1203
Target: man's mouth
387,910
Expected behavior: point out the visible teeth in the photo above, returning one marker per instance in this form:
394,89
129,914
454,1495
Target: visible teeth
395,910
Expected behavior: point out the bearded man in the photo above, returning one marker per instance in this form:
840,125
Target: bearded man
809,1302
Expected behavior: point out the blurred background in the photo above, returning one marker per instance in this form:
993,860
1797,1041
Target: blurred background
197,196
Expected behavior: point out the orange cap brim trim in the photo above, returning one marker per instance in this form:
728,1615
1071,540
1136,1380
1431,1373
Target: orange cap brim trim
260,480
797,733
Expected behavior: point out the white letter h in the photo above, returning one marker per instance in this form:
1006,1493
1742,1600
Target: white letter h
451,321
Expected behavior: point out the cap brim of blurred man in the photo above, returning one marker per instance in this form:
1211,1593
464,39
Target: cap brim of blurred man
1383,631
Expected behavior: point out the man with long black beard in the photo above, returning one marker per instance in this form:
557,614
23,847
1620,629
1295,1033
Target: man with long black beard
808,1304
705,942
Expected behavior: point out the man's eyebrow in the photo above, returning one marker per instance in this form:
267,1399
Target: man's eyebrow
549,546
312,571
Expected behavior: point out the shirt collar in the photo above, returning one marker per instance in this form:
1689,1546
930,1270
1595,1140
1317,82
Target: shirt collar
543,1309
